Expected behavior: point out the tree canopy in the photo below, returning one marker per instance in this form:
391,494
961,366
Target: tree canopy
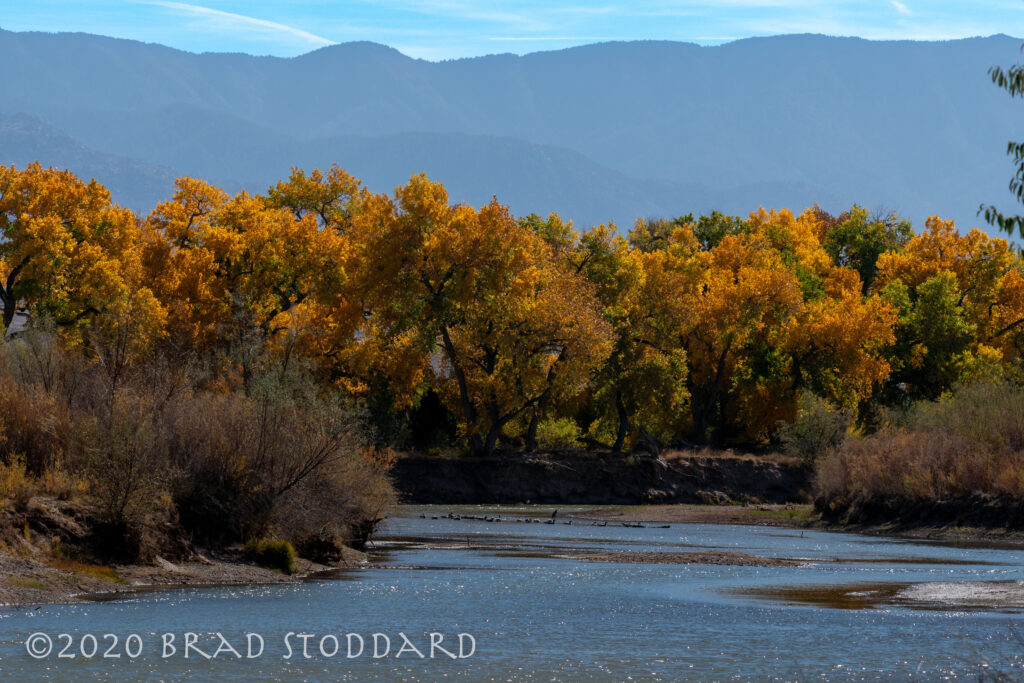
684,330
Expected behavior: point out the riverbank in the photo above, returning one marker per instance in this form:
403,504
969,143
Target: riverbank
788,515
598,478
695,487
803,516
50,553
26,581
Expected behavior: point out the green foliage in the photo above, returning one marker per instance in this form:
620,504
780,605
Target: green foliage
711,230
654,234
559,234
1012,81
558,434
818,428
277,555
933,335
811,285
860,239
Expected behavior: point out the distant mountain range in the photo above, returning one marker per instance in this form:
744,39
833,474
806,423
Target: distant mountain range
611,131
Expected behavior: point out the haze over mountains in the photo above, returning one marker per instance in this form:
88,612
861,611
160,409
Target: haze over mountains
609,131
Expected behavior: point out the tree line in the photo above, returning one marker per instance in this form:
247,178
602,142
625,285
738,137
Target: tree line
466,325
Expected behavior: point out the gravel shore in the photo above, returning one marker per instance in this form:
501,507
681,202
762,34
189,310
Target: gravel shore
26,581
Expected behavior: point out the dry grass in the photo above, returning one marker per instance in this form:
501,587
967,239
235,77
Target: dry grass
27,582
693,453
970,443
95,571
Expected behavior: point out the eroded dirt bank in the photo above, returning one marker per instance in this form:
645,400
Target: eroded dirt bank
47,555
600,479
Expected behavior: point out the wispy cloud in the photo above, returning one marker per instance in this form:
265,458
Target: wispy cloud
440,29
589,10
229,21
540,38
468,11
900,7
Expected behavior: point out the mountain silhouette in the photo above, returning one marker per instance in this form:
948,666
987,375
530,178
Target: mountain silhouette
604,132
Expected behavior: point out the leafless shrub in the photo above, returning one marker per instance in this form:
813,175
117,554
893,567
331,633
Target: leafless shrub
163,456
972,442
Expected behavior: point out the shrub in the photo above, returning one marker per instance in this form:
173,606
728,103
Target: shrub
124,455
163,462
283,460
990,414
33,424
971,442
58,482
15,483
558,434
277,555
818,428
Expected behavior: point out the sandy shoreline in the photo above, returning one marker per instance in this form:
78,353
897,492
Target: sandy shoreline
795,516
789,515
709,557
25,581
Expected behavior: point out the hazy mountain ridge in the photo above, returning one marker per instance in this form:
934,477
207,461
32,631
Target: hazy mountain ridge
24,139
605,131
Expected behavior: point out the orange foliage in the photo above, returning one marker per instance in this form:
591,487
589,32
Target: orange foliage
705,329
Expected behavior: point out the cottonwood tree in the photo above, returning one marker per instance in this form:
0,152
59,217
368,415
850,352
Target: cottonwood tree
743,298
838,342
244,282
504,322
333,197
855,239
961,306
231,267
641,390
66,251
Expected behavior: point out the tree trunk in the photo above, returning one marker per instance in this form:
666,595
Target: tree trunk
9,307
620,437
468,410
492,440
701,409
7,296
538,415
542,404
531,431
493,432
652,444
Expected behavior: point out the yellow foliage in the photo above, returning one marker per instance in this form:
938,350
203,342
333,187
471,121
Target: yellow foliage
840,339
803,235
685,328
989,274
503,319
69,254
214,260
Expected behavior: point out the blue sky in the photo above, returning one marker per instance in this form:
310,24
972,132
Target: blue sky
444,29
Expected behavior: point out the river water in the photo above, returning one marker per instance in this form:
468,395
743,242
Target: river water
857,608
